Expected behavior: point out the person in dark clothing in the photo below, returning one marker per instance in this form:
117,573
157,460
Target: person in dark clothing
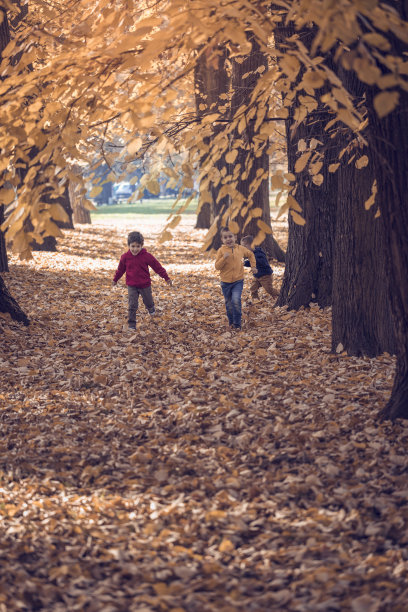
135,262
263,278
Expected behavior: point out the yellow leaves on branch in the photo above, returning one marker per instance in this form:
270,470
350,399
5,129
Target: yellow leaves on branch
132,82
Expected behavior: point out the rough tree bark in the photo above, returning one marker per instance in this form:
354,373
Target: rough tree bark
362,322
4,40
3,251
211,82
9,304
388,137
253,157
309,257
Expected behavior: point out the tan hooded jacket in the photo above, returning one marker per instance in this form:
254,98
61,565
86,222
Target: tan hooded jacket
232,268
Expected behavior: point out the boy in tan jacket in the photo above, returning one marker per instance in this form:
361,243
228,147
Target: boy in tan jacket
230,264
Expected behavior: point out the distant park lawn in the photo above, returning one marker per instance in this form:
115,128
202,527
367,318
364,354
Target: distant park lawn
153,206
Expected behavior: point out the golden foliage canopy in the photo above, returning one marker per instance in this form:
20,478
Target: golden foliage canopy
78,76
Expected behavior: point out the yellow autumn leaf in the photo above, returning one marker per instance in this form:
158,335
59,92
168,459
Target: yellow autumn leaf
297,218
362,162
264,226
153,186
333,167
165,236
95,191
385,102
293,203
88,205
134,145
7,196
370,201
233,227
302,161
277,181
52,230
226,546
259,238
377,40
174,222
58,213
231,156
318,179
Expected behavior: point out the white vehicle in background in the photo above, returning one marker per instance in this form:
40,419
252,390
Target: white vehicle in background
121,192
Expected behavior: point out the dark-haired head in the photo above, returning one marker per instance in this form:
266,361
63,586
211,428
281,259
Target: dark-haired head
135,237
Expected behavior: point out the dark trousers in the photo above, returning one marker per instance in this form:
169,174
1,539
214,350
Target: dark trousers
133,301
232,295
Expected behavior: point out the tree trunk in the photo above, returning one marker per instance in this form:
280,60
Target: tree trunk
388,138
392,177
3,251
4,40
9,304
309,256
253,178
211,82
80,213
362,322
65,202
250,170
361,315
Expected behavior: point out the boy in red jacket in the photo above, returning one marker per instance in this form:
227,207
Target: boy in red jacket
135,262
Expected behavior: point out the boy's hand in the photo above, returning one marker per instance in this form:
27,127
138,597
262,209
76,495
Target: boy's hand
254,270
169,282
226,255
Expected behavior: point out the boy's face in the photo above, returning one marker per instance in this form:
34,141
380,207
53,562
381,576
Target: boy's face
228,238
135,247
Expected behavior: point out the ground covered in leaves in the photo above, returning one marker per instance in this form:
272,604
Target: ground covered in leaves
183,467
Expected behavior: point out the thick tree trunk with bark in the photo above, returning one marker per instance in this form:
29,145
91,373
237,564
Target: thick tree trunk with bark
392,178
309,256
4,40
388,138
9,304
211,82
3,251
253,158
251,166
362,322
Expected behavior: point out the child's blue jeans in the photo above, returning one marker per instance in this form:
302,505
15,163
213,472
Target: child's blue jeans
232,296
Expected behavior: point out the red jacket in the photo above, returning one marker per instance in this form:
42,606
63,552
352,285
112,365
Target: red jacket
137,269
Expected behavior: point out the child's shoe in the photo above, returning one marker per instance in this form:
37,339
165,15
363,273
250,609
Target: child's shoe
132,326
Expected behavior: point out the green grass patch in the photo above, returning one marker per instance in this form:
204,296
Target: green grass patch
159,206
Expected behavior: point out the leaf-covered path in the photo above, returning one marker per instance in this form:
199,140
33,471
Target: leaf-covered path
182,467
